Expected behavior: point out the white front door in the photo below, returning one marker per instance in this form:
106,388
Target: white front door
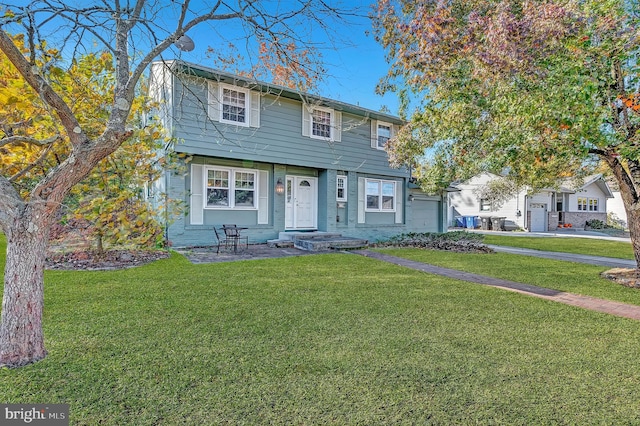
302,202
538,217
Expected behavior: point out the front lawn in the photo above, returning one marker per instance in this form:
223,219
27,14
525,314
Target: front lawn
323,339
591,246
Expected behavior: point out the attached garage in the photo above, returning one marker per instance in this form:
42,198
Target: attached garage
426,213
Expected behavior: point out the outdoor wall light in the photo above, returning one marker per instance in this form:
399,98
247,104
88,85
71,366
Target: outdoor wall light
279,187
411,197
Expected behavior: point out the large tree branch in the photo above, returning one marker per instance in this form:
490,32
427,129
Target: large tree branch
31,165
46,92
29,140
10,203
179,32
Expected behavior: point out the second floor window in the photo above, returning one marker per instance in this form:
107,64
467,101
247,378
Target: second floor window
384,134
381,132
321,123
234,106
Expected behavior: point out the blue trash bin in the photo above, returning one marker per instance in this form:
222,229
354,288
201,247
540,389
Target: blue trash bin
470,222
459,222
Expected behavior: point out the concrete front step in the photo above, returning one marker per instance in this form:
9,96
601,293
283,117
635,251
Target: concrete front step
333,243
317,241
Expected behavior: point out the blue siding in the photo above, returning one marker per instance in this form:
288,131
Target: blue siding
278,139
278,148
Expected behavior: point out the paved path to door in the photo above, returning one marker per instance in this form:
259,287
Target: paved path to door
586,302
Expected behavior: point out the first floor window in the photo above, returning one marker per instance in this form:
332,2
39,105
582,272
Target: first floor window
231,188
582,204
341,190
593,204
217,188
245,188
381,195
485,205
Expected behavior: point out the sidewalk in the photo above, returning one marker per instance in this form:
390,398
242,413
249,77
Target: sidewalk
580,258
586,302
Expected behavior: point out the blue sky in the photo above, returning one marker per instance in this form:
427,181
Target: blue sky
354,63
354,66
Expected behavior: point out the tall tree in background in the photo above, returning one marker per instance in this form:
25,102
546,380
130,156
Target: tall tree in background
134,33
542,89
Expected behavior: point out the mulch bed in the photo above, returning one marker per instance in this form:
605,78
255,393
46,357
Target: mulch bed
623,276
109,260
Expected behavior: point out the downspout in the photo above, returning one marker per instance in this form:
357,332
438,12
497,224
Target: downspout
166,207
524,219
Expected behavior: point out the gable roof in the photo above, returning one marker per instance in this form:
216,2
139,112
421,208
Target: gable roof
274,89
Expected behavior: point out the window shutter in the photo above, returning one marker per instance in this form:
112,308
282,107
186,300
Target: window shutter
263,197
374,134
255,109
399,197
361,200
196,204
306,121
337,126
213,102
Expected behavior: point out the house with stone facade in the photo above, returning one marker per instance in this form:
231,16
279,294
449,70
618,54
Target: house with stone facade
280,162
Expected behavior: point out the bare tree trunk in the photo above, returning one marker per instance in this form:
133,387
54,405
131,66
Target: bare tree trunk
633,222
630,200
21,335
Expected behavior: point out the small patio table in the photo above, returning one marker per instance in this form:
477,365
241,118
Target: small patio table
232,233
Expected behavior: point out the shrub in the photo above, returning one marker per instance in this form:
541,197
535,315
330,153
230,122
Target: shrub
459,241
596,224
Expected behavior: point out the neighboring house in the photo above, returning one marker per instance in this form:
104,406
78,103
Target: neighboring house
615,207
273,159
545,210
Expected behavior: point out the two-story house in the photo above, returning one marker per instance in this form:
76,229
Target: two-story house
274,160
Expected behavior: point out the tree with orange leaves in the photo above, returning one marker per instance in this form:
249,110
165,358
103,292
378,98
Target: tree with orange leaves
540,89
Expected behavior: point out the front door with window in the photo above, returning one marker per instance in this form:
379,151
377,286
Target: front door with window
302,202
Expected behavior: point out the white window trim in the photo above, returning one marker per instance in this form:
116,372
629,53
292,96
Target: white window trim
335,128
383,123
247,104
232,188
332,124
484,202
586,204
344,187
380,209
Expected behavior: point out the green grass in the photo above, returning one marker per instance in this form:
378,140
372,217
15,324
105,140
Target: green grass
323,339
592,246
559,275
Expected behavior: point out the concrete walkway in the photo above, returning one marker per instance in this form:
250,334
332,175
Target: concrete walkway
586,302
580,258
